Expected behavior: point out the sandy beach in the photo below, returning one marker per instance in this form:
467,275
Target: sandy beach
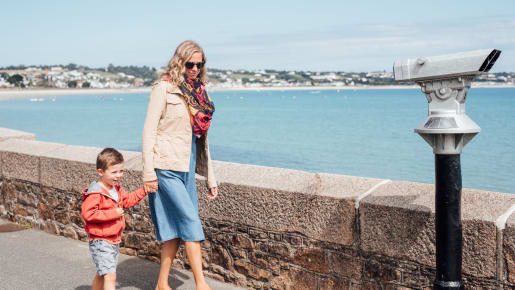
6,94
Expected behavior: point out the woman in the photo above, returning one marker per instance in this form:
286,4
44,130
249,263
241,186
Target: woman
175,146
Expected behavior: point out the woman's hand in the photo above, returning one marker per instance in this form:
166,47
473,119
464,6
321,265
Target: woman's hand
150,186
213,193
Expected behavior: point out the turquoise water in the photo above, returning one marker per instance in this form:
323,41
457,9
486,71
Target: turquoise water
353,132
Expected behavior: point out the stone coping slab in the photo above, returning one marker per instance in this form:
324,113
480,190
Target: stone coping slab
264,177
510,221
6,133
29,147
330,185
133,176
72,168
397,220
19,158
320,206
338,186
133,160
508,246
485,205
86,154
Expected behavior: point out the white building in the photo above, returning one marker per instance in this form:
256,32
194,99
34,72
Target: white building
4,83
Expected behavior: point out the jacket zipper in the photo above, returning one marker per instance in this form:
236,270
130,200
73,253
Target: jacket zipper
121,217
117,206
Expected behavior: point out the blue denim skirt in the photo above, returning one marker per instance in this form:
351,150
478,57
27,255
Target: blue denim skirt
174,206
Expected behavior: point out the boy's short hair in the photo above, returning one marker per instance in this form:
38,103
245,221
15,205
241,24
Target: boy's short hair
108,157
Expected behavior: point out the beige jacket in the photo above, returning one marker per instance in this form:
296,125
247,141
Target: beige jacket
167,136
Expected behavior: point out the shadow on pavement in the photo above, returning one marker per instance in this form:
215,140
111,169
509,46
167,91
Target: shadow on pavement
137,274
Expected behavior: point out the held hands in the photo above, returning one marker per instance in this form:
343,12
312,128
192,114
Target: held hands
213,193
150,186
119,211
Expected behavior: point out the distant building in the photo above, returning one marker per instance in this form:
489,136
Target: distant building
96,84
4,83
32,69
138,82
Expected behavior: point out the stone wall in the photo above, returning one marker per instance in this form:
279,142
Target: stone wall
275,228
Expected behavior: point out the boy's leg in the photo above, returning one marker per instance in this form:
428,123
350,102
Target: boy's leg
110,281
98,282
168,252
105,257
194,253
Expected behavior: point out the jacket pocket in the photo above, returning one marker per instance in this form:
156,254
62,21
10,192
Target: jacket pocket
94,229
161,146
112,228
175,108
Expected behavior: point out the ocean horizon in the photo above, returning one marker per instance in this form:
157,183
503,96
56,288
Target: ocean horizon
368,133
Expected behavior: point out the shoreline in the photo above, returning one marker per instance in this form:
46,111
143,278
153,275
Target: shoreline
313,88
6,94
348,88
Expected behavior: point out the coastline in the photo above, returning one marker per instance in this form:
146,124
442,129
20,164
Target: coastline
313,88
6,94
319,88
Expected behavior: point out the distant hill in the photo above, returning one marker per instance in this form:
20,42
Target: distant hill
77,76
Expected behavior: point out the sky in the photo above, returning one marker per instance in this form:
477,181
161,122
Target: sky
281,34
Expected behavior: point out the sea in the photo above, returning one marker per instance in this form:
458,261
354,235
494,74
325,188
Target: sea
368,133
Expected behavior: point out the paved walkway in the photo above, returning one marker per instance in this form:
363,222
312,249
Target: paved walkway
31,259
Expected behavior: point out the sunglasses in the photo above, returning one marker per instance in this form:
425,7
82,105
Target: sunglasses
190,65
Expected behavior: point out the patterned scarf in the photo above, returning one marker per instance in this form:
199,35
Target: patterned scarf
200,104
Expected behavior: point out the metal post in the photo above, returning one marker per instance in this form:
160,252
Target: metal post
448,222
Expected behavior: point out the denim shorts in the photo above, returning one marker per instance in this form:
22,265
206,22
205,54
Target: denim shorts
105,256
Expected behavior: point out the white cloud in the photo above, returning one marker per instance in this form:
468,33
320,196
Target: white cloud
365,47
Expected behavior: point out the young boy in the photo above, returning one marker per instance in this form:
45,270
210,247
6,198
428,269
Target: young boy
102,211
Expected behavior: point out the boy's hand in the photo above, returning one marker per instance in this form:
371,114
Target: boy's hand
150,186
213,193
119,211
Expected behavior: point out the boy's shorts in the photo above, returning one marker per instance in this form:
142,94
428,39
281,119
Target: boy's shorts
105,256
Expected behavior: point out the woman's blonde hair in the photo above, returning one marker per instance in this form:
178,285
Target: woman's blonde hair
176,66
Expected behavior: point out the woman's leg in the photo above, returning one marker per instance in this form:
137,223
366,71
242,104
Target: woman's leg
168,253
194,253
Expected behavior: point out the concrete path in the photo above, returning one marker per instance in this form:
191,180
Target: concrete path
31,259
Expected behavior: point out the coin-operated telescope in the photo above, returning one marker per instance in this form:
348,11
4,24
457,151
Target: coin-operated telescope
445,80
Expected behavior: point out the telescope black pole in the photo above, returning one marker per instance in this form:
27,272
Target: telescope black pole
448,222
